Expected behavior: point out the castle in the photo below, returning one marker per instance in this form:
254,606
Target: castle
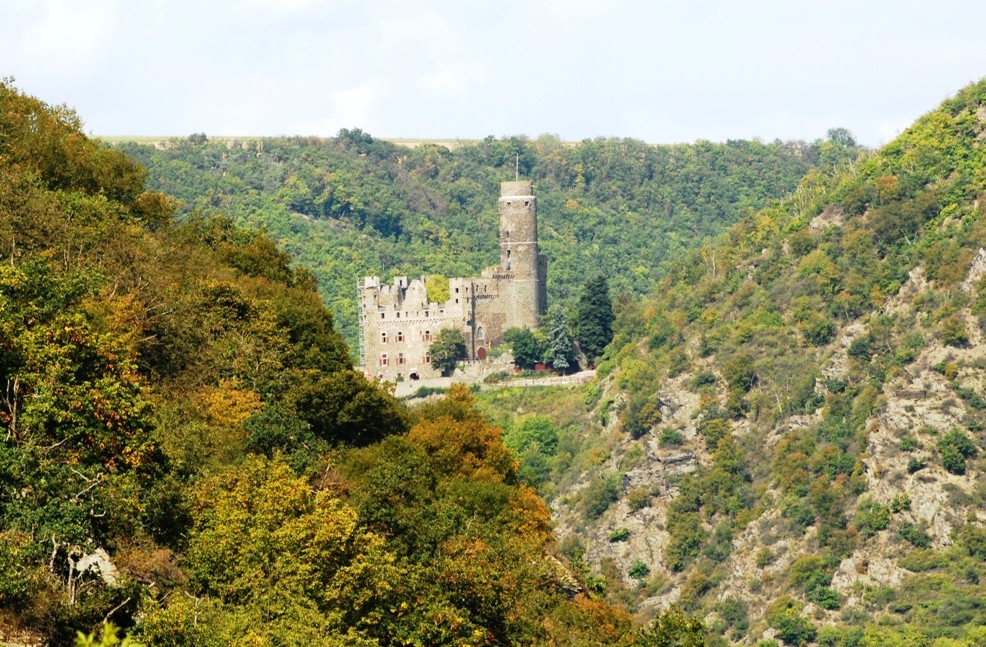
397,323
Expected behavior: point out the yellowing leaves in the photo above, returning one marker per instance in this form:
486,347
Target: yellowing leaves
228,406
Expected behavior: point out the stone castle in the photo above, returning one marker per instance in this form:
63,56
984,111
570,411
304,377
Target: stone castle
397,323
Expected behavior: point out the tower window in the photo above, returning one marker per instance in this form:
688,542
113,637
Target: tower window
383,315
527,203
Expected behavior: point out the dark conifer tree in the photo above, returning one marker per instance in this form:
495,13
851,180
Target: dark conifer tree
594,317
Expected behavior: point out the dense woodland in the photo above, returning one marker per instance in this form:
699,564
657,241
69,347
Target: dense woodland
353,206
186,453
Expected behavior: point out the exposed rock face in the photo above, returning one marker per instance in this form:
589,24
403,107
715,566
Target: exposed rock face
832,216
98,562
976,272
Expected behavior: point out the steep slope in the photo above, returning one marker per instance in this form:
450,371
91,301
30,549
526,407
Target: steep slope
809,411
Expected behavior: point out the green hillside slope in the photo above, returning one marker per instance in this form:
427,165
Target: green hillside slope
795,445
353,205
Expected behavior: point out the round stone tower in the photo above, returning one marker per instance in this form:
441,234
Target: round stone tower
520,259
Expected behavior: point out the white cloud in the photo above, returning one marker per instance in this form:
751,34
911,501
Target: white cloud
71,37
276,7
453,79
357,106
889,129
432,50
567,11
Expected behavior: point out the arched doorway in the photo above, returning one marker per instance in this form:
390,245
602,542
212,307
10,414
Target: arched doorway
481,353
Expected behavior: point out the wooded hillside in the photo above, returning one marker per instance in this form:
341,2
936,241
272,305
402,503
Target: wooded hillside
185,451
353,206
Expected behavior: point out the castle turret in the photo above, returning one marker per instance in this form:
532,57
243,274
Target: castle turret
519,254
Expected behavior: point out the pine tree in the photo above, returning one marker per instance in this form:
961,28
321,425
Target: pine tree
560,351
594,317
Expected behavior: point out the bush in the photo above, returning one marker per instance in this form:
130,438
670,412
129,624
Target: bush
765,557
641,416
973,540
818,330
496,377
871,517
670,438
955,448
622,534
601,493
900,503
705,378
915,535
639,498
915,464
638,570
909,444
713,431
785,617
861,348
953,331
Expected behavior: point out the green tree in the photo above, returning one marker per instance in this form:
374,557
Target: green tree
672,628
594,317
447,349
560,352
437,287
528,349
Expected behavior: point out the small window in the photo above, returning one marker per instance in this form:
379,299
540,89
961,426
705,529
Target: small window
456,290
426,313
527,203
480,333
427,358
383,337
382,315
400,358
456,300
383,360
400,336
426,336
398,315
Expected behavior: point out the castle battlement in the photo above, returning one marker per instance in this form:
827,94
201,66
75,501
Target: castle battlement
398,323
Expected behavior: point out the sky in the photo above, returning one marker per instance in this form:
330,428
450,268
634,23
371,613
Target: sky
654,70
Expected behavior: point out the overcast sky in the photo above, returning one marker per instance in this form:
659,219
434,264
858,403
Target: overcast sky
654,70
